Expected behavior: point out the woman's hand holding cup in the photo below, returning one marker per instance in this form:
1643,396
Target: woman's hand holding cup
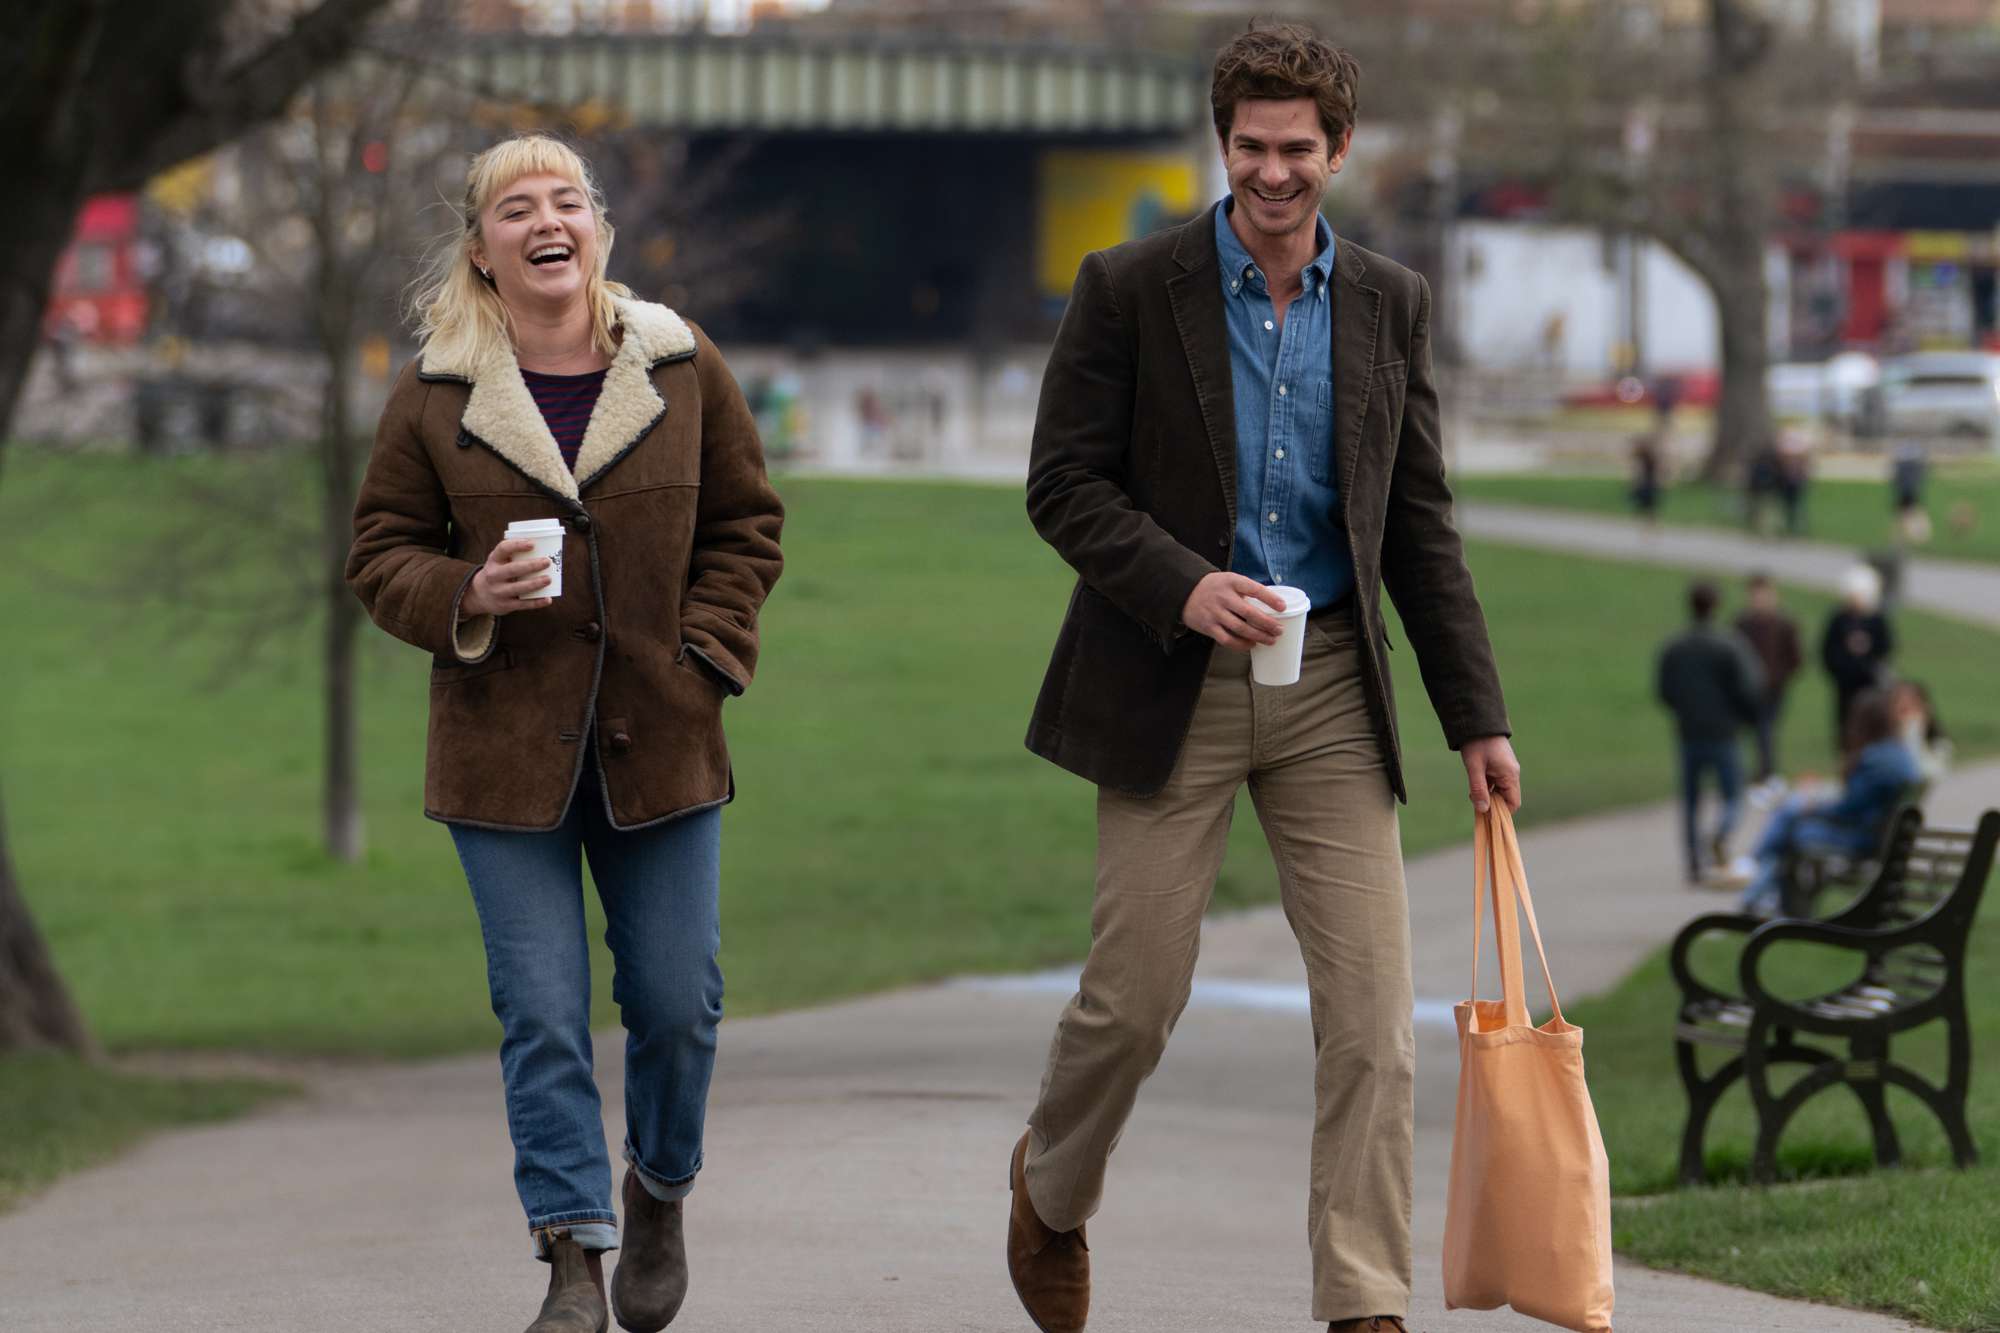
508,582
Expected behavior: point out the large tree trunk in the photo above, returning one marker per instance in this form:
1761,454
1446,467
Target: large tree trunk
342,792
1742,45
35,1007
1743,416
27,277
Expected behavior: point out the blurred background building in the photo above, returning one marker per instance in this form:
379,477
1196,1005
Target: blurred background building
877,206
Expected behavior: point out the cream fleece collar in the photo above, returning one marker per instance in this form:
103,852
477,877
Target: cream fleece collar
502,414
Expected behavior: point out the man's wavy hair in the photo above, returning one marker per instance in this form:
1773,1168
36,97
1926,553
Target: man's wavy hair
1280,61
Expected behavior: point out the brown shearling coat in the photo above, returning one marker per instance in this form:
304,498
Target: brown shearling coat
1132,479
671,548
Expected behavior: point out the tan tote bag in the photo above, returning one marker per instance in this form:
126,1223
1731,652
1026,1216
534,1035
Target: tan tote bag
1528,1215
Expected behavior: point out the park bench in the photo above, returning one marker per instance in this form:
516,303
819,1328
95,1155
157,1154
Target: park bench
1909,930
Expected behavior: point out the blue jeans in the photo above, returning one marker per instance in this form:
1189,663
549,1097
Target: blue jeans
1794,829
1699,758
659,890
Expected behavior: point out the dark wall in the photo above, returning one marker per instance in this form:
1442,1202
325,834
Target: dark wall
894,240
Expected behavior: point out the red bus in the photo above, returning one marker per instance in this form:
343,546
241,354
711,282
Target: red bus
99,296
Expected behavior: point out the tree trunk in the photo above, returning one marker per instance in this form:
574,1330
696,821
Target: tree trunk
1742,45
1743,416
35,1007
341,796
27,276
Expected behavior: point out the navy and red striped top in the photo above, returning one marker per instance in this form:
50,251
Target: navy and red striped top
566,402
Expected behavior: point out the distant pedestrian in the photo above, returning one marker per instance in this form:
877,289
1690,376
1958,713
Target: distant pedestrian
1709,680
1794,462
1761,484
1647,447
1774,637
1907,473
1667,391
1857,643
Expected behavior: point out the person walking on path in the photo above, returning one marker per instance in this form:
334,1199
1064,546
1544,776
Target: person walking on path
584,724
1774,637
1856,644
1648,453
1243,401
1709,680
1795,453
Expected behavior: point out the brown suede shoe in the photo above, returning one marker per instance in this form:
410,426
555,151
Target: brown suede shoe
1051,1269
574,1303
651,1279
1381,1323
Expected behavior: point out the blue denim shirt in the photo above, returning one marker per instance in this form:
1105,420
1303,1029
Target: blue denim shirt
1287,519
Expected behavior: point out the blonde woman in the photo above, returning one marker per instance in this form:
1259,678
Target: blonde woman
584,724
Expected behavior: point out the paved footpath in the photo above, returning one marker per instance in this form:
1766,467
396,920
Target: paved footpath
1959,588
857,1158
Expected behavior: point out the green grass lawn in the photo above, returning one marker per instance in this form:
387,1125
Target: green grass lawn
1857,513
159,757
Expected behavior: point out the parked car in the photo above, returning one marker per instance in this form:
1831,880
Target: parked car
1938,393
1833,390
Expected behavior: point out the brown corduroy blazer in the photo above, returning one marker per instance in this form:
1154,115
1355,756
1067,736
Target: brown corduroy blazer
671,548
1132,479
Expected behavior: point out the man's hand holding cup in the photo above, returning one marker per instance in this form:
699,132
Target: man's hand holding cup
1229,608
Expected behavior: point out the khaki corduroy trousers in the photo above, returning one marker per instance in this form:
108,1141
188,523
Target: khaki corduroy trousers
1314,767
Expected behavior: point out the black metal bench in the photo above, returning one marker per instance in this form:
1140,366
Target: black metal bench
1910,927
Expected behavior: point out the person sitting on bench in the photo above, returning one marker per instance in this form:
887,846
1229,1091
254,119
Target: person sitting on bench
1879,769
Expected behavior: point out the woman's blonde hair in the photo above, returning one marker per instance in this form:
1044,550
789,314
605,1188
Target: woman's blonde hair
459,316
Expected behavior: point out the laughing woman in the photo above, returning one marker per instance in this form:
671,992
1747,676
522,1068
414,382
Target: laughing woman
587,723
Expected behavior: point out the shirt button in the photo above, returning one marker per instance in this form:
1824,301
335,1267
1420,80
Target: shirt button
1234,285
1271,518
1281,391
1269,325
1281,453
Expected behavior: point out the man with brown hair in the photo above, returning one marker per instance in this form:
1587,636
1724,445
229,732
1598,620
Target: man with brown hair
1236,403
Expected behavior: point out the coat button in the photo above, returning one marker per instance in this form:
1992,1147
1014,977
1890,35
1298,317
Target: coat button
620,741
579,523
589,632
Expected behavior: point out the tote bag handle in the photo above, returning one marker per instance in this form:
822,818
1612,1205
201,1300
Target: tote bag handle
1496,864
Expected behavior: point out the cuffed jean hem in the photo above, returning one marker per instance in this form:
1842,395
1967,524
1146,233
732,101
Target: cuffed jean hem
666,1191
591,1230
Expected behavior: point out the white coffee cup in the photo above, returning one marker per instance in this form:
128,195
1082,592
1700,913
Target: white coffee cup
1278,663
547,535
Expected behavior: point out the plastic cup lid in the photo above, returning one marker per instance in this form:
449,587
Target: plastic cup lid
1296,602
534,527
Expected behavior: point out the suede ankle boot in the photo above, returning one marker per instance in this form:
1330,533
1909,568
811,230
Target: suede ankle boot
574,1303
651,1279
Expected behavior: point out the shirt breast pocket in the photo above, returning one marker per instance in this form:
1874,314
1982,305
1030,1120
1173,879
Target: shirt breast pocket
1315,433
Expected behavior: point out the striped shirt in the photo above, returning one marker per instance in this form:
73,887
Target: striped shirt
566,402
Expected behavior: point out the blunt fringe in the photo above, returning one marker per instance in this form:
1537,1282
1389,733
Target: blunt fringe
1281,61
458,316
